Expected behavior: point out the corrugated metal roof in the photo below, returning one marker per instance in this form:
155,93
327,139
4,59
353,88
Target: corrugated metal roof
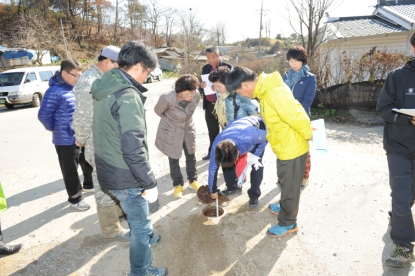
159,50
364,26
406,10
170,57
173,54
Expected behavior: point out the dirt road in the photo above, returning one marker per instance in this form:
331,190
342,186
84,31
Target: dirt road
342,219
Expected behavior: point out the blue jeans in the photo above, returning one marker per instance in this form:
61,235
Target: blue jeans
136,209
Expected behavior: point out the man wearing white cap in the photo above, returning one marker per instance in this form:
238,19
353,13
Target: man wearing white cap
107,209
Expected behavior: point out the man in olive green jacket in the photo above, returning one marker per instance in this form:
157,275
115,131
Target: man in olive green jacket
121,148
107,209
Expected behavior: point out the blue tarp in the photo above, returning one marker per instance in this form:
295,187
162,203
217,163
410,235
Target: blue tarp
10,54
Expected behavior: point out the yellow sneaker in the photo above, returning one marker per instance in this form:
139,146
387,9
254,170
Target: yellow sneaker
194,185
178,191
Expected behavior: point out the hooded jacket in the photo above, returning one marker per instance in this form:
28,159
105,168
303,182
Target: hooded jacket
238,106
120,133
288,124
398,92
56,111
247,135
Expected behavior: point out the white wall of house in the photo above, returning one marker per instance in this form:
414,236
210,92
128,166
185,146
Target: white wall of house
356,46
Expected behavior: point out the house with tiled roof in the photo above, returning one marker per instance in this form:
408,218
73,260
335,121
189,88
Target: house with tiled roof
388,29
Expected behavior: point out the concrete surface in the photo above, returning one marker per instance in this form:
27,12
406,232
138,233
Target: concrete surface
370,118
342,219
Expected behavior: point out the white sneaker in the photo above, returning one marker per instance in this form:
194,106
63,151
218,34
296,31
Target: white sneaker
81,205
88,190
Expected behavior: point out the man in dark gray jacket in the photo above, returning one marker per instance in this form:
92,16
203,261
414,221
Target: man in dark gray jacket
398,92
121,150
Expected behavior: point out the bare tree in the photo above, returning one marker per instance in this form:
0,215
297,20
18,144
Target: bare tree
268,27
219,33
170,18
117,25
72,9
154,15
191,34
36,33
136,13
307,21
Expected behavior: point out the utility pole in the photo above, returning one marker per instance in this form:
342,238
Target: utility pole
260,29
64,39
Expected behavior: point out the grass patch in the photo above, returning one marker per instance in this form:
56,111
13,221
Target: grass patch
331,114
169,74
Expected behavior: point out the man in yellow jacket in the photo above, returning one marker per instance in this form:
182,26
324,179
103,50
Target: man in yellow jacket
289,130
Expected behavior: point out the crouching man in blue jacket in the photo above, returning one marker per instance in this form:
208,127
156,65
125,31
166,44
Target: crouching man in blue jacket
245,135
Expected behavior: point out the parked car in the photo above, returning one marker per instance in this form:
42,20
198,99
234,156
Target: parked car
25,85
156,74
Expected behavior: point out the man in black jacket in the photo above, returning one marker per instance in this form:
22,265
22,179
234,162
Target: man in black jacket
213,58
399,143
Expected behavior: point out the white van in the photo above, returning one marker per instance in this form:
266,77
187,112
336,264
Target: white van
25,85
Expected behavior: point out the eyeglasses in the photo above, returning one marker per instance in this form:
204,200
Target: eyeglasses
148,71
187,97
75,76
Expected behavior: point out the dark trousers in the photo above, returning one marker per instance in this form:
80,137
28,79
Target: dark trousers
2,244
86,169
68,161
402,183
176,174
231,180
290,174
211,122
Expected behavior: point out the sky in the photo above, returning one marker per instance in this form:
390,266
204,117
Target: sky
242,16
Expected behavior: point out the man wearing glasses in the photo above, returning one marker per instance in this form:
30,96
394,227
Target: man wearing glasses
121,148
108,211
55,113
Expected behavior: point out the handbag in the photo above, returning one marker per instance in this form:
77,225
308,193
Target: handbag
3,203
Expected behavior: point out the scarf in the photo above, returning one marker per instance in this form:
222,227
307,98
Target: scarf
220,109
183,104
293,77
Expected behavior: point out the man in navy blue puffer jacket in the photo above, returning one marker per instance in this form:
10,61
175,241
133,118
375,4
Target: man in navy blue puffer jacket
244,135
55,113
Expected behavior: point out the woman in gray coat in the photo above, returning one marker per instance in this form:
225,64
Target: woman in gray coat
176,130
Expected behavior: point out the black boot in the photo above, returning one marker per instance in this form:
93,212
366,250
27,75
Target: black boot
9,249
390,217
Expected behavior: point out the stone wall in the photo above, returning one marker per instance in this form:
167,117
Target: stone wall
363,95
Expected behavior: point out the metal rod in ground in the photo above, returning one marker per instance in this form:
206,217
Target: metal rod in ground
217,208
